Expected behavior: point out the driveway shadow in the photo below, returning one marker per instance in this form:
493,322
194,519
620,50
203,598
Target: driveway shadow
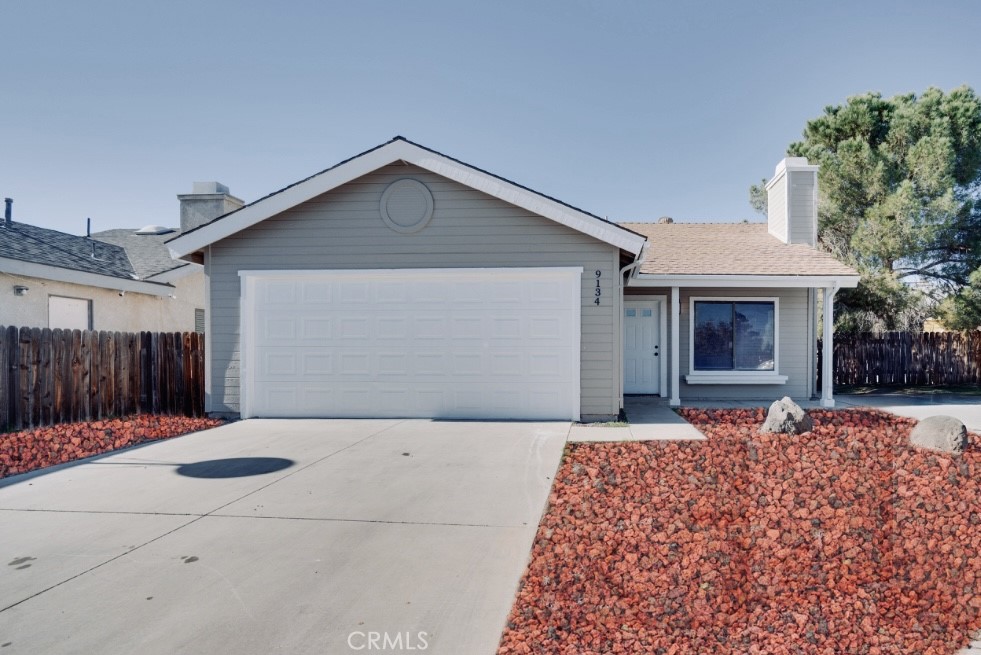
234,467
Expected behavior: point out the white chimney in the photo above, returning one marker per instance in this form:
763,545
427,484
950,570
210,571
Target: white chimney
791,201
206,202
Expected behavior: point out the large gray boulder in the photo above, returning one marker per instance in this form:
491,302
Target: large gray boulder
944,433
787,417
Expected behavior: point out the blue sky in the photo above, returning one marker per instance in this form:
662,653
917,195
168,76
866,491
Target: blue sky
631,110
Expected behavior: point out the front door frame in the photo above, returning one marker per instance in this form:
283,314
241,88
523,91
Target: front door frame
661,301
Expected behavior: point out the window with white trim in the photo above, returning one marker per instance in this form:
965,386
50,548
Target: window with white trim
734,335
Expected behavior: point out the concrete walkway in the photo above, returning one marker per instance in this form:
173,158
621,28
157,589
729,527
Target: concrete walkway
649,419
278,536
974,648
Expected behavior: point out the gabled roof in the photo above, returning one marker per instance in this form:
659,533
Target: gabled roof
53,248
148,252
49,254
401,149
730,249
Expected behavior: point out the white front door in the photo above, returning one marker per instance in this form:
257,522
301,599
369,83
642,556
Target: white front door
641,347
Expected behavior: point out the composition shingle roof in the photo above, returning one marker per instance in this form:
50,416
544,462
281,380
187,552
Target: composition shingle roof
147,252
40,245
728,249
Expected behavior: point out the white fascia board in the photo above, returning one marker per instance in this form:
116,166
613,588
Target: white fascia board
412,154
402,273
46,272
735,377
282,201
175,274
735,281
533,202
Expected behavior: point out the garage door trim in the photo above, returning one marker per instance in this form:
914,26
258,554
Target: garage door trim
248,311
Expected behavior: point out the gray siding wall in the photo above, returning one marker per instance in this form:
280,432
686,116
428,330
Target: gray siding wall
776,210
795,345
343,229
802,207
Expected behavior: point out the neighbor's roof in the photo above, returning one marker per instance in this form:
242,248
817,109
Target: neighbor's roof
38,245
401,149
729,249
147,252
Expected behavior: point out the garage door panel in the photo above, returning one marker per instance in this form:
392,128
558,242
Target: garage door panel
467,327
429,327
279,293
456,343
354,363
316,363
279,363
429,363
353,291
315,328
391,327
393,364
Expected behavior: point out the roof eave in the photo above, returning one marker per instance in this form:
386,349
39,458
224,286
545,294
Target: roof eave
58,274
176,273
401,150
744,280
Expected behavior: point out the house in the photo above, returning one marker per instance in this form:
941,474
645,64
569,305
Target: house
118,280
405,283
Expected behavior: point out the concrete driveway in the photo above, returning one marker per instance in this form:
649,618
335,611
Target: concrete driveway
965,407
270,536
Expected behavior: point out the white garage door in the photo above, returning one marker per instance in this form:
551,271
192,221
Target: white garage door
450,343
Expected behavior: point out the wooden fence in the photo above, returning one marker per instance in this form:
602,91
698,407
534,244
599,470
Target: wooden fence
58,376
907,358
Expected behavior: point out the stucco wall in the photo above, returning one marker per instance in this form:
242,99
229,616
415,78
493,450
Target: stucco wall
132,312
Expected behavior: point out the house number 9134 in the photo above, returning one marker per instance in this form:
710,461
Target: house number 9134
599,291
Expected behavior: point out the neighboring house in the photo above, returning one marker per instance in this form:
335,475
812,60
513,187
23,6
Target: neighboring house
402,282
933,325
119,280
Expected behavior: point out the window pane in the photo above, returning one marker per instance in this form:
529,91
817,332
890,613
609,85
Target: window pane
754,336
713,336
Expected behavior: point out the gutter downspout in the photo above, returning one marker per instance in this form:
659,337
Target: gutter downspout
630,268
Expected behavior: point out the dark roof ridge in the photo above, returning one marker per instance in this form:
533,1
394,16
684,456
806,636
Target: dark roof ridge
421,147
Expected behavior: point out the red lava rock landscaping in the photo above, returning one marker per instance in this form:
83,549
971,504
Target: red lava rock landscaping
27,450
841,540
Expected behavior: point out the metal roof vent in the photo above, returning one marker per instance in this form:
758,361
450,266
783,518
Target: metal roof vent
154,229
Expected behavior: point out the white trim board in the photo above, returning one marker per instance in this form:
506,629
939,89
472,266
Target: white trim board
744,281
406,151
46,272
662,301
177,273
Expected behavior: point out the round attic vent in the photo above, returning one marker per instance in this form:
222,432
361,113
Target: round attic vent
407,206
154,229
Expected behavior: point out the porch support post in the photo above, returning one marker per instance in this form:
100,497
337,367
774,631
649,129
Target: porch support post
828,349
675,399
